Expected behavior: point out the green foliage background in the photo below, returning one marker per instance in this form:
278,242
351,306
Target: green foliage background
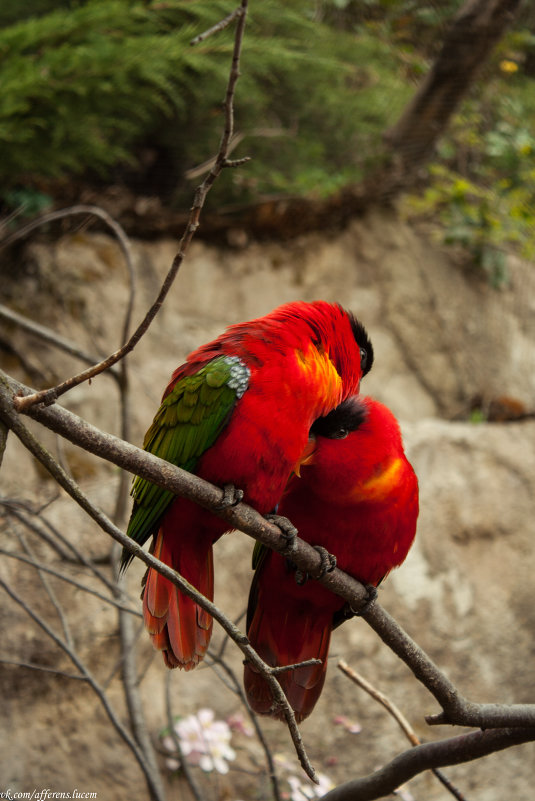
85,84
90,87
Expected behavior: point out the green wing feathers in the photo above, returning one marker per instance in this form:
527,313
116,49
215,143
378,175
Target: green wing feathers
188,422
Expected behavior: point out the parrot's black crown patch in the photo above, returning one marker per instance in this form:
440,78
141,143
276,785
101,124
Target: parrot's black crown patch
347,417
364,342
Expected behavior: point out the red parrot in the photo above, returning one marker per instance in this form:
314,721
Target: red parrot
358,498
238,412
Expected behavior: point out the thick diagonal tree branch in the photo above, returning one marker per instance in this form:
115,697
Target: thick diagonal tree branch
452,751
455,708
10,415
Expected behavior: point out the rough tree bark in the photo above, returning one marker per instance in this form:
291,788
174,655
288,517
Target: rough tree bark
474,31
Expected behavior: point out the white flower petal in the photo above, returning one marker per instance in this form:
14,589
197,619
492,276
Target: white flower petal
206,763
220,765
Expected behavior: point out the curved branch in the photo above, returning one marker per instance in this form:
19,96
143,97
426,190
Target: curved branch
47,335
457,710
453,751
398,716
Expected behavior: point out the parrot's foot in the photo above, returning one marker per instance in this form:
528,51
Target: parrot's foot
287,529
232,496
327,565
372,596
328,560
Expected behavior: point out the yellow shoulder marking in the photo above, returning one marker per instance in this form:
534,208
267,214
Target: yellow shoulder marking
379,485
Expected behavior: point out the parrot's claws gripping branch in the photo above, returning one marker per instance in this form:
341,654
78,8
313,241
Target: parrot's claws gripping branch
288,532
370,600
328,564
232,496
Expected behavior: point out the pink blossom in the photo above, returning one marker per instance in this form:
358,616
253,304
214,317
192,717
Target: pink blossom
352,726
204,741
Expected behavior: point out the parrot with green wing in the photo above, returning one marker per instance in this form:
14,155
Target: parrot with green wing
238,413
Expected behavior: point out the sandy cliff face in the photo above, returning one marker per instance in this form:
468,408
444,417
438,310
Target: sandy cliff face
442,338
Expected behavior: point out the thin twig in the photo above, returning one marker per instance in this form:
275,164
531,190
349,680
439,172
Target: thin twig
118,663
49,336
58,574
48,588
50,395
399,717
226,639
220,26
285,668
43,668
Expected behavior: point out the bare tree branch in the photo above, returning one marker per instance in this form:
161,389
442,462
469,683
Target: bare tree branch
48,588
131,691
44,668
453,751
47,335
474,31
399,717
219,26
8,414
78,584
217,659
456,709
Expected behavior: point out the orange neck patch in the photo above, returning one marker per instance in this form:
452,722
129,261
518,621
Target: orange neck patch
320,373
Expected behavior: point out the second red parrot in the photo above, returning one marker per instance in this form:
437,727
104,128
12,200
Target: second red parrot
358,498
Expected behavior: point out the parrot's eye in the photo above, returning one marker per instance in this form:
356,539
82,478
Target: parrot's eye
363,358
341,433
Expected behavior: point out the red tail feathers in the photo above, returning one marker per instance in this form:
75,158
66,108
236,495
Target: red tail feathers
176,624
285,631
